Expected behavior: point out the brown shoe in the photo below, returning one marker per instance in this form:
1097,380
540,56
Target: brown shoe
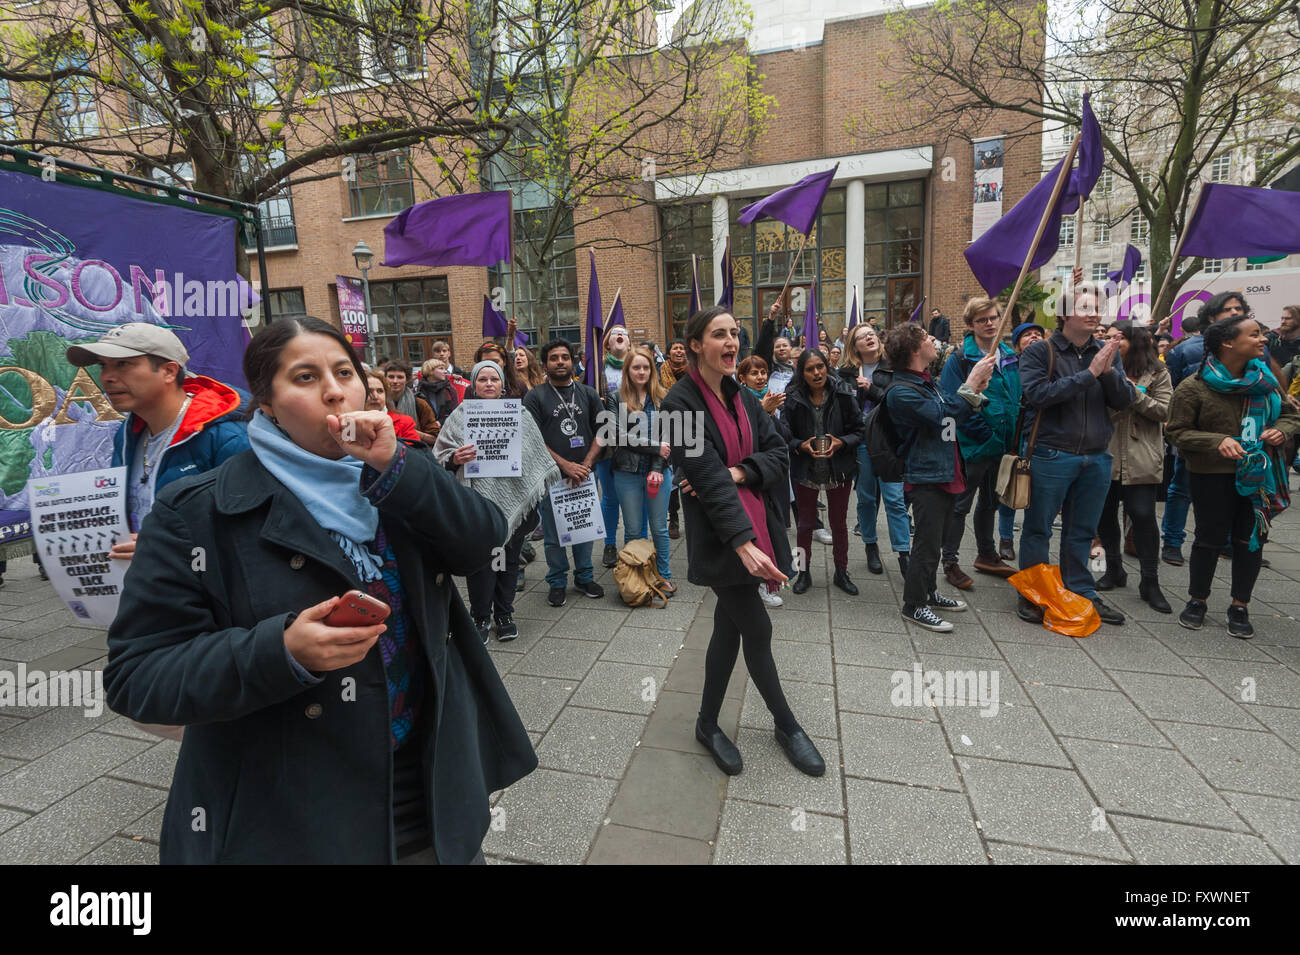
957,577
1007,549
994,566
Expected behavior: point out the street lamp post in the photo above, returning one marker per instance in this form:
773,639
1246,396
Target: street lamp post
362,255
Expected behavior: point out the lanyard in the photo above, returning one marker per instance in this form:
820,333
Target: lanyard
570,411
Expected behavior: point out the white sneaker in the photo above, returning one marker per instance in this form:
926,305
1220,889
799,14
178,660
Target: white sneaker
769,599
823,536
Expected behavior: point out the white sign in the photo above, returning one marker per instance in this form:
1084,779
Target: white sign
496,431
577,511
76,518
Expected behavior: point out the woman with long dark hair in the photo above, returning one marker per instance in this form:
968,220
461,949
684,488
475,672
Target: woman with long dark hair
826,428
1137,466
311,727
527,368
1230,422
736,497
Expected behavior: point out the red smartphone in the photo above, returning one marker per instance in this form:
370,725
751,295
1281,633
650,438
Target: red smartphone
357,610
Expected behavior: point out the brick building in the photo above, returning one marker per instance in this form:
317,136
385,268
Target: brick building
894,224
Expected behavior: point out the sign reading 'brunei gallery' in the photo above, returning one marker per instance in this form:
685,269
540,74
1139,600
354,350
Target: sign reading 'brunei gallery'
75,261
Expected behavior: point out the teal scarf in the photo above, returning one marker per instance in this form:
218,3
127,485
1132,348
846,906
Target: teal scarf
1261,474
329,490
760,395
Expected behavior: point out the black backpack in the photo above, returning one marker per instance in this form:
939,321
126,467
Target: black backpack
884,447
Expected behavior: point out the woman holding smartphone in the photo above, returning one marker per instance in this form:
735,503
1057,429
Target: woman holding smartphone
737,494
306,742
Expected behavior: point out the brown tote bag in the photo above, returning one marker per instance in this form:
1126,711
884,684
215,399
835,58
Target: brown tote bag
1013,471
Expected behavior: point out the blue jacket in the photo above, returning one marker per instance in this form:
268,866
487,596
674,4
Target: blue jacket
1184,358
213,429
990,433
921,414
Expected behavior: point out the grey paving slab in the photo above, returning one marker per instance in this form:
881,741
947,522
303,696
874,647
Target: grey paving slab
868,689
581,622
119,851
532,605
623,845
892,824
154,767
969,639
1009,688
1094,714
800,625
1182,699
1013,732
503,661
770,778
751,834
39,735
1141,781
538,699
1277,820
37,647
549,817
1253,682
652,647
666,791
1280,720
69,658
1011,629
44,781
1057,666
10,818
1290,656
147,827
553,657
813,705
868,648
70,828
1130,649
687,675
595,742
804,662
1210,641
879,617
1238,759
1005,854
1164,843
897,750
1037,806
626,687
121,726
672,724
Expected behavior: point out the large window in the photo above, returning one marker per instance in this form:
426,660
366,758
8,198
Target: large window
382,185
1067,232
410,315
1139,229
8,116
688,229
1101,235
895,233
74,112
278,227
1221,168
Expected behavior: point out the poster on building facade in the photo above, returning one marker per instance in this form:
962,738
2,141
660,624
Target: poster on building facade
352,311
987,207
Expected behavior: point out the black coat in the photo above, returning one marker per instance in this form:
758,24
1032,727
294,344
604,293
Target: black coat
843,419
716,522
441,396
287,773
872,395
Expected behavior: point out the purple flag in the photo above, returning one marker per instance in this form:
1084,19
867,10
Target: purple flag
616,311
810,318
1124,274
728,297
995,257
592,358
696,304
853,310
797,206
472,229
495,325
916,312
1232,221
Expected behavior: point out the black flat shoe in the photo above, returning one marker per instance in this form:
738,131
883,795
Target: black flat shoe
842,581
873,559
801,752
802,581
1028,611
1108,614
723,750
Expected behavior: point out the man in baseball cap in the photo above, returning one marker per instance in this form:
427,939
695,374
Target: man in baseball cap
178,424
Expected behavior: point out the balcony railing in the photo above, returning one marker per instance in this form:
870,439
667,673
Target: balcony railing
276,230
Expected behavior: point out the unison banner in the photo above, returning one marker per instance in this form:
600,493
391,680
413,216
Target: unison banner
75,261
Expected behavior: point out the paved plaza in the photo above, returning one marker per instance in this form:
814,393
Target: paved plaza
1146,743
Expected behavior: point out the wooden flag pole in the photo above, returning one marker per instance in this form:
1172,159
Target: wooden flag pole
1038,235
1078,235
611,310
790,275
1173,265
513,307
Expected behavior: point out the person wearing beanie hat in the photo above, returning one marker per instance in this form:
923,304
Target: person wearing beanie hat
1027,327
178,424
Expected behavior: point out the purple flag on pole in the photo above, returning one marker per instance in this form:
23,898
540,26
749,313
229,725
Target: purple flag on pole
995,257
853,310
797,206
1124,274
495,325
916,312
728,297
472,229
616,311
592,358
696,304
1232,221
810,318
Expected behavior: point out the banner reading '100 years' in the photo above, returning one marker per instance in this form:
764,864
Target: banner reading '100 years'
74,262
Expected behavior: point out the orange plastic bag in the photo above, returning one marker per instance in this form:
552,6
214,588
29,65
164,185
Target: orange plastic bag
1064,611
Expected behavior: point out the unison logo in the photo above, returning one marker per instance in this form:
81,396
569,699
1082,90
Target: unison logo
103,908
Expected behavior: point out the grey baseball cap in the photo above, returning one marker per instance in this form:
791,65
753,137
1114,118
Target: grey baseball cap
129,341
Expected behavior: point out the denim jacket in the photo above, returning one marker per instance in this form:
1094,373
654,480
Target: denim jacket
922,413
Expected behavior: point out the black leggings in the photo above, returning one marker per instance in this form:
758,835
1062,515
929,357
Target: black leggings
740,614
493,591
1222,516
1140,506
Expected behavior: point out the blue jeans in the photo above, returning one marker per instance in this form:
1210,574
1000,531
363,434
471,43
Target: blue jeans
1177,502
1075,486
1006,523
557,565
636,501
608,500
870,494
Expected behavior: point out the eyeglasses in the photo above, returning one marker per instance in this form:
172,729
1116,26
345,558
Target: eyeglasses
986,320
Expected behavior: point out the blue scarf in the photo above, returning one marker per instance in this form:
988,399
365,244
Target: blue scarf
1261,474
329,490
760,395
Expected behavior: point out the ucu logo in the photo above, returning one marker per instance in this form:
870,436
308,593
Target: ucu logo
105,482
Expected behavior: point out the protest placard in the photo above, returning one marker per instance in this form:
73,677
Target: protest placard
495,430
577,512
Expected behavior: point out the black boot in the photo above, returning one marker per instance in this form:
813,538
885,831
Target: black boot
843,582
873,559
802,581
904,561
1149,590
1115,576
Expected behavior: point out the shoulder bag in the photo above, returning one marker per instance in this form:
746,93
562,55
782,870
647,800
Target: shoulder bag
1013,471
